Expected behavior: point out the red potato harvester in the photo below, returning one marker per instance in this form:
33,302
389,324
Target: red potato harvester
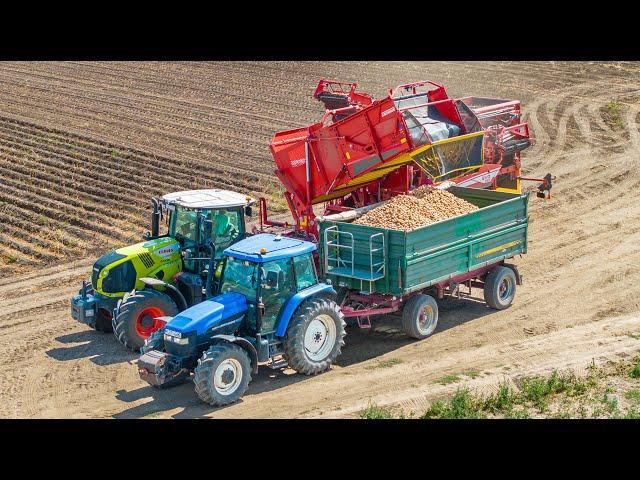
364,151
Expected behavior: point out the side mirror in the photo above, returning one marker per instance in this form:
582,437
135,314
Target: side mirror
248,211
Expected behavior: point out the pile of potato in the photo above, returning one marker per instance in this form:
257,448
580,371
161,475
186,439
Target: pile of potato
422,206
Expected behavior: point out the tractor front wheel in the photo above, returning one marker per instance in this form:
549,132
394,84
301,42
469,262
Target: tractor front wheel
315,336
223,374
136,317
104,321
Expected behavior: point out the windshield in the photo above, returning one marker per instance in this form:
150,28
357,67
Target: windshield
226,227
183,225
240,276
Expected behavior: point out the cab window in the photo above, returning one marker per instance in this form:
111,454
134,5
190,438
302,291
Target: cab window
276,288
305,271
226,227
184,223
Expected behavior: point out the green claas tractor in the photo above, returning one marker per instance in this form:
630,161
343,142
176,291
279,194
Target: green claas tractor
271,310
133,287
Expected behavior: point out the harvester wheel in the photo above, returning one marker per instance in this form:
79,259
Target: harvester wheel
500,288
223,374
420,316
315,336
135,318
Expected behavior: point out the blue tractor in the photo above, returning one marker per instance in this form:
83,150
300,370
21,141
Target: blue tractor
271,309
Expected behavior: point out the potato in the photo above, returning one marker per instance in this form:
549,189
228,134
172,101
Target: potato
419,208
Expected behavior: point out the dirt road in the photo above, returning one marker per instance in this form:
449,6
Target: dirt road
580,301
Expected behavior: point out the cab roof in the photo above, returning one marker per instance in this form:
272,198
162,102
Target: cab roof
209,198
275,246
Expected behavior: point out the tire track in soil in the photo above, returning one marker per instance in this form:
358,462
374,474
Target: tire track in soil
544,328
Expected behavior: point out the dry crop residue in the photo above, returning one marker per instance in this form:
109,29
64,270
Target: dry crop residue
423,206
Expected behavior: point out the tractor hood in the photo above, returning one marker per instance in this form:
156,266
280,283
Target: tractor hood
163,247
226,309
120,270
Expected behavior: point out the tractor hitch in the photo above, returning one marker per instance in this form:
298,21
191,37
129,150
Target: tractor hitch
159,368
84,307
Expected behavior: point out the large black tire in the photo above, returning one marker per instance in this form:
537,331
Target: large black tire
234,374
140,308
420,316
104,321
500,288
316,321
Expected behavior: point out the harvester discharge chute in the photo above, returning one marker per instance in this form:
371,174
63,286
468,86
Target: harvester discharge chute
364,151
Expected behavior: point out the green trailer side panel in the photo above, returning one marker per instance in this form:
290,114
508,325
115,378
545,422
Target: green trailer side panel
417,259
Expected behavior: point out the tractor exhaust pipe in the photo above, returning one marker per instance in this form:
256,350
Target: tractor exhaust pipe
155,218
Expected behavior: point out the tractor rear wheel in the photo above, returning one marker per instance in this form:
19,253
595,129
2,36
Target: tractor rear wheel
315,336
420,316
223,374
135,318
500,288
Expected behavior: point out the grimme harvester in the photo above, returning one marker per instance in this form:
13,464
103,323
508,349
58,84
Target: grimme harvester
364,151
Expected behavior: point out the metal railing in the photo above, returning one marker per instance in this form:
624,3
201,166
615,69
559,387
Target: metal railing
336,245
377,268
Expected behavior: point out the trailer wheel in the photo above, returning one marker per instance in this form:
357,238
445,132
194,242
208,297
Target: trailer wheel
500,288
420,316
134,320
315,336
223,374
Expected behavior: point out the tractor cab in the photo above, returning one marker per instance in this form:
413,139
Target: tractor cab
204,222
268,270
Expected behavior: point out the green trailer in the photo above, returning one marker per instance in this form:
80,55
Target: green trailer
379,271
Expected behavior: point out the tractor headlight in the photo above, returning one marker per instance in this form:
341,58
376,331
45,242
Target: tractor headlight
175,337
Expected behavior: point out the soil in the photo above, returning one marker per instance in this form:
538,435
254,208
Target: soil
84,145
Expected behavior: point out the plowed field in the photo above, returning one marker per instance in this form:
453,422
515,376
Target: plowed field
84,145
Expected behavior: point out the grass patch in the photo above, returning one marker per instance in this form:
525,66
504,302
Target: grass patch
612,114
447,379
502,401
471,372
374,412
153,413
11,259
633,395
389,363
635,371
537,390
462,405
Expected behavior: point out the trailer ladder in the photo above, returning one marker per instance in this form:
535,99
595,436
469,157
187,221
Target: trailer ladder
335,263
